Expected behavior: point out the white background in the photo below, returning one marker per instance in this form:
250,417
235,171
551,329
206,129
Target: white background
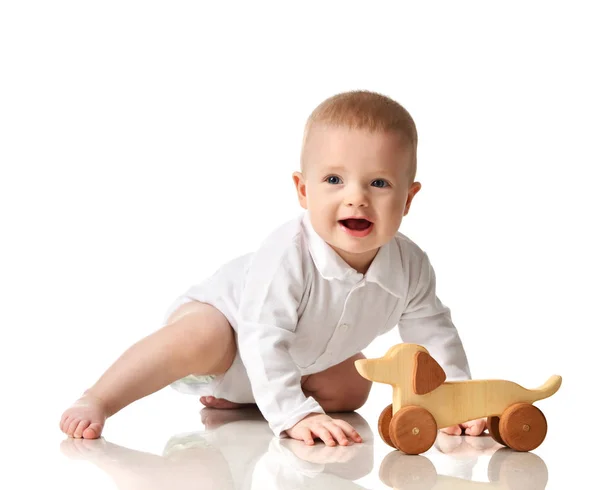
143,144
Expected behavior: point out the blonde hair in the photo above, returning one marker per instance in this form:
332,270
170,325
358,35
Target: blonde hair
361,109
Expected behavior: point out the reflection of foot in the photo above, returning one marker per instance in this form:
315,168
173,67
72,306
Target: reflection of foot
195,464
102,453
82,448
212,418
465,445
482,444
463,453
84,419
221,403
446,443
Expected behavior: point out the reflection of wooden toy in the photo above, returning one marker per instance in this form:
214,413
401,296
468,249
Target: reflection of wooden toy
507,470
423,402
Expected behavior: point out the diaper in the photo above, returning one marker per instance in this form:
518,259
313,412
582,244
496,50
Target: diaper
193,384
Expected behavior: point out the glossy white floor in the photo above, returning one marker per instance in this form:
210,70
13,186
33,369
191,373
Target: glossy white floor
167,441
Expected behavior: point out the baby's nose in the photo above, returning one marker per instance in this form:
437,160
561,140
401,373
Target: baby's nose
356,197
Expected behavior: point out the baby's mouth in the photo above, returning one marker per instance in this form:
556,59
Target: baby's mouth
356,224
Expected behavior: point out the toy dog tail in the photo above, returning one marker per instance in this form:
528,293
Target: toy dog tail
549,387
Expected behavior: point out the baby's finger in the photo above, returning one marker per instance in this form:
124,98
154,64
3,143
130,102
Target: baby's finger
337,433
305,435
324,434
348,429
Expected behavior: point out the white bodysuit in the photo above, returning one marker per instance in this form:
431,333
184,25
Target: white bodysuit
297,308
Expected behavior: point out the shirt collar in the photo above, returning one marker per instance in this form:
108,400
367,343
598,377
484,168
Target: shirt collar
385,270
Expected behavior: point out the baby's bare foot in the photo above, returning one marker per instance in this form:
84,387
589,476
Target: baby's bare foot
84,419
212,402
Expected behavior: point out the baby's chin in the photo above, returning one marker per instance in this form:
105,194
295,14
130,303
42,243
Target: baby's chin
355,250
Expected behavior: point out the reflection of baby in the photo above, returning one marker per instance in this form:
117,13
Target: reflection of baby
237,451
348,462
281,469
221,457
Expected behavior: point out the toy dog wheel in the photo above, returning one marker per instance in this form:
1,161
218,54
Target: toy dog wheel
413,430
493,425
523,427
384,425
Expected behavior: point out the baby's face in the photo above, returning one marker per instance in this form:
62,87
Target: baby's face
355,173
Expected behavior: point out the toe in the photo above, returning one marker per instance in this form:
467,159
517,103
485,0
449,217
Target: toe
84,424
220,403
455,430
207,401
74,422
93,431
63,419
476,429
63,423
223,403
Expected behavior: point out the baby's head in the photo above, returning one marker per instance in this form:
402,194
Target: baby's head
358,159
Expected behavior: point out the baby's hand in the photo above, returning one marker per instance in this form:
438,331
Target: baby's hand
472,428
325,428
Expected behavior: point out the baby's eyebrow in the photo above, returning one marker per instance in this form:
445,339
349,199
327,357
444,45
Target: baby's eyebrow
333,168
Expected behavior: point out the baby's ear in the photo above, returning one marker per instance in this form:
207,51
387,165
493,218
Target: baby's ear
427,374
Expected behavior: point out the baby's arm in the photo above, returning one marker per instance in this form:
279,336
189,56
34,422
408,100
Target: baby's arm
427,322
267,320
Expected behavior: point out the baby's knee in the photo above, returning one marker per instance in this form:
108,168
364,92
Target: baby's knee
357,388
347,400
341,391
356,395
207,338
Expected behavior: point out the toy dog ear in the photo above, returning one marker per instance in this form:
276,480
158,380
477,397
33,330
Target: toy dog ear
427,374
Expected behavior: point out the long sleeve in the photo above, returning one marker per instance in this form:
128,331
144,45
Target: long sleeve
268,316
426,321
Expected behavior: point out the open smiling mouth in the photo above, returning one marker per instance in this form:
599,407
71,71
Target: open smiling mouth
356,227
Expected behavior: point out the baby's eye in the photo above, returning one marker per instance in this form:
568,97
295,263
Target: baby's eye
333,179
380,183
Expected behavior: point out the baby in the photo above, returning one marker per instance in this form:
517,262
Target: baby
281,327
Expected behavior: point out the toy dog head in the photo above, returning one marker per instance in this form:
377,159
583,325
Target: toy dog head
405,366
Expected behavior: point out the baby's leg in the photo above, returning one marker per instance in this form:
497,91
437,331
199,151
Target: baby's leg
197,339
339,388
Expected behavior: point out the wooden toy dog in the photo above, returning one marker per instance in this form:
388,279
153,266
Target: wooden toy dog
423,402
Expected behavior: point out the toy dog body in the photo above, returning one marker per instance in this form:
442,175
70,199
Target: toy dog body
419,381
455,402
